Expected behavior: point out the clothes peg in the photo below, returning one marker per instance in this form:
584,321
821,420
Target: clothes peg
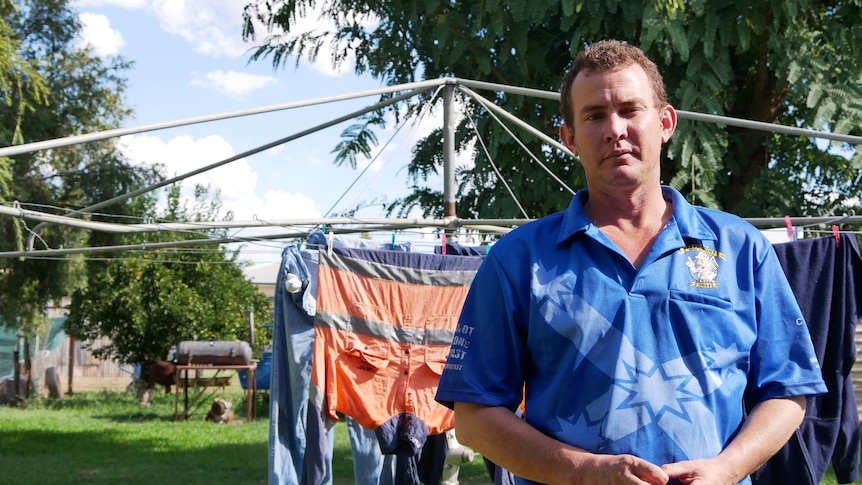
329,243
443,241
791,232
393,242
837,234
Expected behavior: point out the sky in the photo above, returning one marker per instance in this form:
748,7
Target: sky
190,60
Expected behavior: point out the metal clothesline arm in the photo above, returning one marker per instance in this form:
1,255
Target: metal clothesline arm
691,115
118,132
31,237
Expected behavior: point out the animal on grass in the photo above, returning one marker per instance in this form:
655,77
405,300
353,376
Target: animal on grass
220,411
163,373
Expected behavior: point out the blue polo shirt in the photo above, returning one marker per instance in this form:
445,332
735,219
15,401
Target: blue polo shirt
650,361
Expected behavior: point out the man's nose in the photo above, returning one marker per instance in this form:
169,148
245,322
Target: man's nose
617,128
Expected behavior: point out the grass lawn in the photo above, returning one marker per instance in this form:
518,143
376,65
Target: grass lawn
107,438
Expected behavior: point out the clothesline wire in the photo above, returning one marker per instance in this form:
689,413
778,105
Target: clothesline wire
371,162
485,102
130,260
129,217
203,230
836,221
386,224
494,166
380,245
425,109
184,251
152,246
829,233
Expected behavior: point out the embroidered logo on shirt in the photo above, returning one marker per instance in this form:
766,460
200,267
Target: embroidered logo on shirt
703,266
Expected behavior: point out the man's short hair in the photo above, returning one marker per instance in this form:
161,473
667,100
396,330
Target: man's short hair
608,55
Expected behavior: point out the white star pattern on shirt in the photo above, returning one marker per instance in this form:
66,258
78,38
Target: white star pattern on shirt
554,292
669,394
656,391
719,361
722,356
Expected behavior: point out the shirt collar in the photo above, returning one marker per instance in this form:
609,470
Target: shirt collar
688,221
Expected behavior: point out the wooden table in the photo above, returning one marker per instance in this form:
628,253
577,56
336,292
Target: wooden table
182,373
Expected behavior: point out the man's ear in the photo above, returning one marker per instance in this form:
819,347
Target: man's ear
668,123
567,136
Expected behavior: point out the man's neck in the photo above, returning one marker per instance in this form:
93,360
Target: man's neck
631,221
637,209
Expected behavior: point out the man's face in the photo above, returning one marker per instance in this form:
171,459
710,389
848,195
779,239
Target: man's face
618,130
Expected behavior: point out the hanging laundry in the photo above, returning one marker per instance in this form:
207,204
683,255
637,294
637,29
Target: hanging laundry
383,327
498,474
826,277
293,339
455,249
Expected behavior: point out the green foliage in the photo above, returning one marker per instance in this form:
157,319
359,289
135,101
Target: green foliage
21,88
82,93
793,63
21,84
358,139
147,301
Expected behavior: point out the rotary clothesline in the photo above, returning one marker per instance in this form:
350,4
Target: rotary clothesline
354,225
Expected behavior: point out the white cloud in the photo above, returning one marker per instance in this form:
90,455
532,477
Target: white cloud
96,32
213,27
232,83
284,205
130,4
236,180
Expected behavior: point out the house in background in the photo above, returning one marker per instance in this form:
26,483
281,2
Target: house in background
264,277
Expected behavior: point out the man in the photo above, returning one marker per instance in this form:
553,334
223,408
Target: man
630,324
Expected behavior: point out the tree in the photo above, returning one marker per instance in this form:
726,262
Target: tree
84,93
793,63
148,301
21,85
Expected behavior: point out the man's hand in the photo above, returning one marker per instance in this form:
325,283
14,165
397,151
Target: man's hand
621,469
510,442
700,472
767,428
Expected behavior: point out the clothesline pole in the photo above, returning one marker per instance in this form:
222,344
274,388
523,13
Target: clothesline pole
449,150
448,156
